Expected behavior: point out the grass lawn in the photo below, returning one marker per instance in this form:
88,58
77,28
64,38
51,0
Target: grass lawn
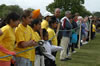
88,55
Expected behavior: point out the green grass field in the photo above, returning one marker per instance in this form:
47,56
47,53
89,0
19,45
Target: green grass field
88,55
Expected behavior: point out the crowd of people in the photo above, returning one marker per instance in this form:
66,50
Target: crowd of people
47,34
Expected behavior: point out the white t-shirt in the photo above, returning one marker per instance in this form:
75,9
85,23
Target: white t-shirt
49,49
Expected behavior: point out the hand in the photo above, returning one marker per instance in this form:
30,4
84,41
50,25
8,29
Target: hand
35,43
12,53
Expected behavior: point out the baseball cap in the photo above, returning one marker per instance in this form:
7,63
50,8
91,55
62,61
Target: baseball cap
47,14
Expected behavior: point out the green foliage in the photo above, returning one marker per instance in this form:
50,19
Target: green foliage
72,5
96,14
4,10
30,9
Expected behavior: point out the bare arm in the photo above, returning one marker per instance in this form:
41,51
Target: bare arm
2,49
1,32
25,44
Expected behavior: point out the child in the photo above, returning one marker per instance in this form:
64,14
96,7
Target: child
49,58
51,33
36,26
7,39
45,50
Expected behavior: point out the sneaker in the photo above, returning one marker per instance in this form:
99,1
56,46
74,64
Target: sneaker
84,42
63,59
73,51
66,59
69,54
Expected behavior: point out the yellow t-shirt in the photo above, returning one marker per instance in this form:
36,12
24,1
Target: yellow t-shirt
23,34
94,28
44,24
51,34
36,38
7,40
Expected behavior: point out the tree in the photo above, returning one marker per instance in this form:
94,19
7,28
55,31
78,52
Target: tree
30,9
72,5
4,10
96,14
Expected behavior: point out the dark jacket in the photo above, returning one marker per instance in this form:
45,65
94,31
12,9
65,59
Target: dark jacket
68,26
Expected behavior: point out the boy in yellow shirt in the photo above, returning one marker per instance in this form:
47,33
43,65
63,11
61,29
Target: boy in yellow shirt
7,39
51,33
24,40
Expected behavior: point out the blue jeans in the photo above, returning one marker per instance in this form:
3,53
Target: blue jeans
20,61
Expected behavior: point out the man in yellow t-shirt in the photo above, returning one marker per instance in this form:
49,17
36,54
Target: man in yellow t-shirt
93,30
45,24
24,40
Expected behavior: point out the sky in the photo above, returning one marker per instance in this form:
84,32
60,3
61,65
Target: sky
91,5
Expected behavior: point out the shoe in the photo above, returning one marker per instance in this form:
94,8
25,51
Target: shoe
66,59
84,42
69,54
63,59
73,51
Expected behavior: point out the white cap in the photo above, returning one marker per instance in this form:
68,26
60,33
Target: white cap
48,14
80,17
90,16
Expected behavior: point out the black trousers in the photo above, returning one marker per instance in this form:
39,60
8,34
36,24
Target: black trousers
12,64
49,62
53,62
92,35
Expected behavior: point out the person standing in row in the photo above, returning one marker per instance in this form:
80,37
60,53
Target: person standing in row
59,26
93,29
36,26
52,34
66,36
7,39
45,22
24,40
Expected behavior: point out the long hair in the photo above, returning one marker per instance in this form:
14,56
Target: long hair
12,16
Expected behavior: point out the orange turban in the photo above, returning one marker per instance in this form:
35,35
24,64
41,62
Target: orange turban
35,13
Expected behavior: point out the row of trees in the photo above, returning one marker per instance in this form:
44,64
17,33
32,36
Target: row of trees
72,5
97,14
4,10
